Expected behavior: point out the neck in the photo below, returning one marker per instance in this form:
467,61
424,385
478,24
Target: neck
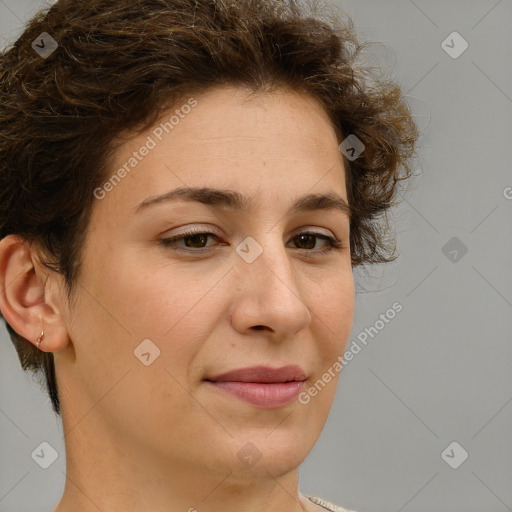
105,473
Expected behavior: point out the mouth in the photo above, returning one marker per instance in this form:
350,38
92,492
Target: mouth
262,374
261,386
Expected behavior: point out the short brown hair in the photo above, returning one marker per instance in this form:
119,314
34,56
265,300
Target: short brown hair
120,63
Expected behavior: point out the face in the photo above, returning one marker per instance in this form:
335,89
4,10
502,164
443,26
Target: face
235,288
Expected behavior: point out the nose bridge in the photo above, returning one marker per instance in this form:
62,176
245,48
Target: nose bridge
270,258
270,281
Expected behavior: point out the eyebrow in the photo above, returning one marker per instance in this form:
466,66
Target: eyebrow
217,198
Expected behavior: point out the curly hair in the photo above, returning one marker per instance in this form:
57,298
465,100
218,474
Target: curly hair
120,63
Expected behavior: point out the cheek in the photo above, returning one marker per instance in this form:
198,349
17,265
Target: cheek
155,300
332,309
125,305
177,311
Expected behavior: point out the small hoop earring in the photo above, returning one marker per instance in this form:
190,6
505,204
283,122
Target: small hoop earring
38,341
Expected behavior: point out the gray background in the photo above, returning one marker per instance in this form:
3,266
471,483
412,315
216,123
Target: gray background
441,370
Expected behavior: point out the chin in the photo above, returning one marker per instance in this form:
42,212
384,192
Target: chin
270,451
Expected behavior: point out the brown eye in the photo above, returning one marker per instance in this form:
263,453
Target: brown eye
195,242
192,240
307,239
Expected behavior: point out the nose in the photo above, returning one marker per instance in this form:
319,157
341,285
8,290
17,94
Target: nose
270,294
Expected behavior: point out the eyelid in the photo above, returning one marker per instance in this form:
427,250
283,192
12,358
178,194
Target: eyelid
195,229
316,230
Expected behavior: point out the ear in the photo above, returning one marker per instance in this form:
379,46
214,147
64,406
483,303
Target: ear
31,296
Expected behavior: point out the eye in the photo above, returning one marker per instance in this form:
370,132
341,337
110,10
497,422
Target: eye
308,238
192,240
195,242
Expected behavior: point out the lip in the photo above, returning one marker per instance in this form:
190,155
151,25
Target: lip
262,374
262,386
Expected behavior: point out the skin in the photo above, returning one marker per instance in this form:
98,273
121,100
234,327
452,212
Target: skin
158,437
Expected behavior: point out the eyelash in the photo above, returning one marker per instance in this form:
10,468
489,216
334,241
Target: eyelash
333,243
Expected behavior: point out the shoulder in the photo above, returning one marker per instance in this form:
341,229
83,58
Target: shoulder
327,504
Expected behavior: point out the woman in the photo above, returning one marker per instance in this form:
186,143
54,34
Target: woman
185,189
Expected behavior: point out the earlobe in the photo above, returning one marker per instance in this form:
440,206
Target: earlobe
22,296
39,339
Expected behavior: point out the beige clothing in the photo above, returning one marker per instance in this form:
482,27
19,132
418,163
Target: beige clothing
327,504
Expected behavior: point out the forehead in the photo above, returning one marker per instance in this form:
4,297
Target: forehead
238,120
275,118
280,142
